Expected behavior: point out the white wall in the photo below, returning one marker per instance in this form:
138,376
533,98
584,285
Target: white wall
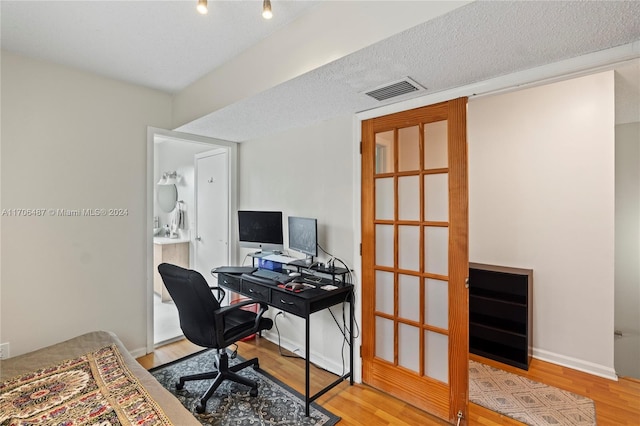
306,172
72,140
627,289
541,196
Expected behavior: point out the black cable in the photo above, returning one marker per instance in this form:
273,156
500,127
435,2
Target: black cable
348,281
275,322
343,331
345,339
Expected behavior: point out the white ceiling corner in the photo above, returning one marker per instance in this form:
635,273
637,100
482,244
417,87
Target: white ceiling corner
165,45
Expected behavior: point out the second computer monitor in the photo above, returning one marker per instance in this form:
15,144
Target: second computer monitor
303,235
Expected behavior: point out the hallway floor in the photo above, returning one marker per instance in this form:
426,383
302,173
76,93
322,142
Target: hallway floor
166,325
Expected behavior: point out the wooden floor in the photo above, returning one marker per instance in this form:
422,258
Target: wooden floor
617,403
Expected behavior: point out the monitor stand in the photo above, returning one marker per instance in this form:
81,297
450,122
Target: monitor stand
262,253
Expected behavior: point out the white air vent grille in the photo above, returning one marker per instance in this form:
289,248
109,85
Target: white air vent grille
392,90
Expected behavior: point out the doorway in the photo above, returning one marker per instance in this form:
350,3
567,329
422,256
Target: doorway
176,153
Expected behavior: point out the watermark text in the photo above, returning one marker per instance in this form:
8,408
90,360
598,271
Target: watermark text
58,212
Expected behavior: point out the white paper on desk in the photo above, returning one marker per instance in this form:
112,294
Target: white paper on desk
328,287
279,258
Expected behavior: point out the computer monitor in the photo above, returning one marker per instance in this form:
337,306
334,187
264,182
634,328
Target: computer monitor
261,230
303,235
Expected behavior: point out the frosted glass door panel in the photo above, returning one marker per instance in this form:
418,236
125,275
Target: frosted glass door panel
408,198
409,149
435,145
384,339
384,199
409,297
436,356
384,152
436,250
436,304
409,248
384,292
384,245
436,197
409,347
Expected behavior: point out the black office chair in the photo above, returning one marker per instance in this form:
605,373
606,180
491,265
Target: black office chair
205,323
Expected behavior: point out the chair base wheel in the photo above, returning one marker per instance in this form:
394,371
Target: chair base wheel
256,366
200,408
179,385
253,392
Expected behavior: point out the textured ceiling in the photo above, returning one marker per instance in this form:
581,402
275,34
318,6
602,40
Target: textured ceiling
169,46
164,45
474,43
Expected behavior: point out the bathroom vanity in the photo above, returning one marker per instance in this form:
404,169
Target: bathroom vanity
168,250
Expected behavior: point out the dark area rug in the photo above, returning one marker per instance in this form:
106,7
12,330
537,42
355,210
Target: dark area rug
231,405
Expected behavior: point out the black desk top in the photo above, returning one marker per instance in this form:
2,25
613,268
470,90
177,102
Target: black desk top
307,301
313,285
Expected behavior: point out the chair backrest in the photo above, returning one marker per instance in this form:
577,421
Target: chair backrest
195,302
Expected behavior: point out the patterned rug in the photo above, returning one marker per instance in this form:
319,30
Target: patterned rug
527,401
95,389
231,405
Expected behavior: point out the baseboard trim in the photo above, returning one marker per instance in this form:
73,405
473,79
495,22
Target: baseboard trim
576,364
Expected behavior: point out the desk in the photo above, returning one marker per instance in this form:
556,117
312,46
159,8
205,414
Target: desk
302,305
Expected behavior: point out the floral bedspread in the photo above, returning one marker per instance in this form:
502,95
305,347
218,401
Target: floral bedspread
94,389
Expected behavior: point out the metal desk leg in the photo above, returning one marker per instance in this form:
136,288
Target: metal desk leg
306,372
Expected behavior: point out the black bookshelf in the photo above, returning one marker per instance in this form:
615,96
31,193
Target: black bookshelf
500,313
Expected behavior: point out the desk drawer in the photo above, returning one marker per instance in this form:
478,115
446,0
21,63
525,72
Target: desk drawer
230,282
255,291
288,303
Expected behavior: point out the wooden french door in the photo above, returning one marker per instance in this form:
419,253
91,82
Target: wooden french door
415,257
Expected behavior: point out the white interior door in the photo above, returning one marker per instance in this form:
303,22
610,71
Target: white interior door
211,247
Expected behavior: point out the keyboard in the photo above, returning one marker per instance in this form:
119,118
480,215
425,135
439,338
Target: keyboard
265,281
272,275
278,258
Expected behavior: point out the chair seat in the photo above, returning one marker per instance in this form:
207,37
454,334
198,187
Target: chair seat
239,321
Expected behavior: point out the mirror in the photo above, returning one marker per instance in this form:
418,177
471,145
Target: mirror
167,197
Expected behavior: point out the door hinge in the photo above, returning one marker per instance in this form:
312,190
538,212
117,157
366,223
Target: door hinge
360,147
466,282
360,249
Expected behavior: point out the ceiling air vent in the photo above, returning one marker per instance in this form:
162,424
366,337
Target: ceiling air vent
397,88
